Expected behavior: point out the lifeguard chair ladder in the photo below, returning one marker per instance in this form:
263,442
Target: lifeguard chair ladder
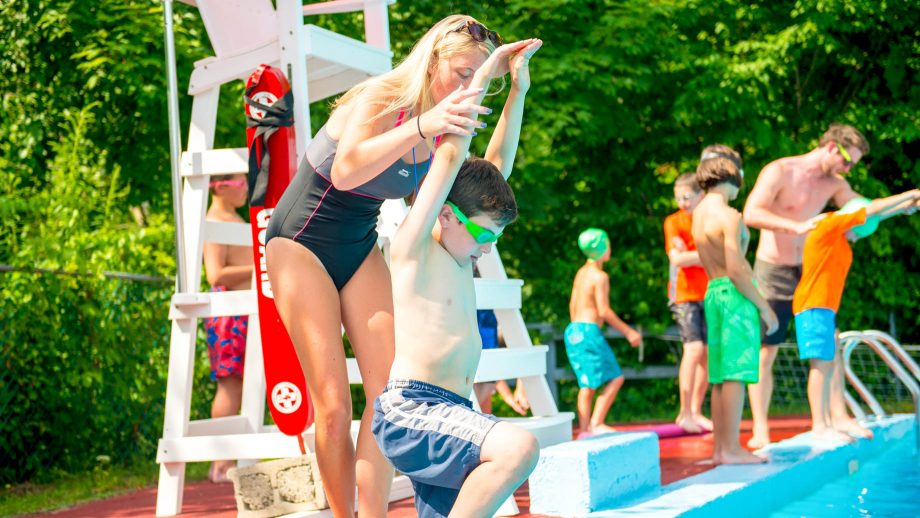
319,64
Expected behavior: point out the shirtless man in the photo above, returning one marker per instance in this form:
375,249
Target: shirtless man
461,462
589,354
789,193
733,305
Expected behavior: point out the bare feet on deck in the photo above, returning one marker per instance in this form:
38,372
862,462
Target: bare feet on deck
830,434
759,440
688,424
738,456
850,426
597,429
703,421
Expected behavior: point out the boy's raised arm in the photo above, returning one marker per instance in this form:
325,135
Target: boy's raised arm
893,205
504,143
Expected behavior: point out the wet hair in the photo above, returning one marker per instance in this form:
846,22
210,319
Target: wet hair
846,136
480,188
688,180
719,163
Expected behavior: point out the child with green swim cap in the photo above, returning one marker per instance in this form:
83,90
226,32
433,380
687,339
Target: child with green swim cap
826,262
733,305
589,354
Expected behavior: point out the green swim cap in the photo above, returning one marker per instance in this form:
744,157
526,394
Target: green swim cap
593,243
871,224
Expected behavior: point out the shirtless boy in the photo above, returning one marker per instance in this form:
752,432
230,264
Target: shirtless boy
461,462
227,268
789,193
589,354
733,306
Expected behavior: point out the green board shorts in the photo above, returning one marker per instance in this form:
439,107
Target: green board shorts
733,324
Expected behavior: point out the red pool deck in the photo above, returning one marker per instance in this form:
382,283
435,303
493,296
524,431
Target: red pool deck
681,457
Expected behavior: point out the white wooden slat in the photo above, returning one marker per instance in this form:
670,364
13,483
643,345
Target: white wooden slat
227,233
234,424
322,48
213,304
498,294
218,71
214,162
507,363
339,6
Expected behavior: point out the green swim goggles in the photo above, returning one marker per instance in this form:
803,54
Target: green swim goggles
847,161
481,235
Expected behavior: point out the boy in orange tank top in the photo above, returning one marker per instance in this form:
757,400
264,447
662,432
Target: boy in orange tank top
826,262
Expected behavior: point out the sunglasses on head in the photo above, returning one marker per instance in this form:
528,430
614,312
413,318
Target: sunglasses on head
229,183
479,32
481,235
847,161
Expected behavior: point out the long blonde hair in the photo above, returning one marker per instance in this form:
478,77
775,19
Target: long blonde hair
408,85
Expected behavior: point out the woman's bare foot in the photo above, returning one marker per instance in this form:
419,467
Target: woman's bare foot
830,434
597,429
850,426
703,422
689,425
758,441
740,456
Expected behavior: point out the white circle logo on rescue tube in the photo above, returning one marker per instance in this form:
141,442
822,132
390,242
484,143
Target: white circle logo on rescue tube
286,397
267,98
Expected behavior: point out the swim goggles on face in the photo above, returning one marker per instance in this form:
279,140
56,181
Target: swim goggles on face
847,161
481,235
229,183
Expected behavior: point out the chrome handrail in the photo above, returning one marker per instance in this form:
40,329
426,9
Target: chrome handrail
851,340
897,349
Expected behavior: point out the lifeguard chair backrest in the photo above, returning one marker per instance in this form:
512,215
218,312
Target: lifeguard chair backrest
236,26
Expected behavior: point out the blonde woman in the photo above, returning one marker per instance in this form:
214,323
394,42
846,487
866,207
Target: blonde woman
325,269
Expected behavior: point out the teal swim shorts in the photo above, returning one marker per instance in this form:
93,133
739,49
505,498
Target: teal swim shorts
733,324
590,355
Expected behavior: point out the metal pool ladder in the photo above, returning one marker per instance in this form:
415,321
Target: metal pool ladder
890,351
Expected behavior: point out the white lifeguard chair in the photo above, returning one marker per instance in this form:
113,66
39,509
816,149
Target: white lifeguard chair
319,64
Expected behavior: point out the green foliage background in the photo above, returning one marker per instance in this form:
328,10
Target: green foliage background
625,95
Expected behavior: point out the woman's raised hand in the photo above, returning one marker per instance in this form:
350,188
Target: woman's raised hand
452,114
520,72
499,62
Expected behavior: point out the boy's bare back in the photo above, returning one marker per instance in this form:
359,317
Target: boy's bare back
713,221
590,283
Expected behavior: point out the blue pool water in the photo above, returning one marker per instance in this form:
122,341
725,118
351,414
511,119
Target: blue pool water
885,486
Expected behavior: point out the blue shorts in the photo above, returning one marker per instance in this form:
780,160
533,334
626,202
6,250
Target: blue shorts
488,328
590,355
814,332
432,436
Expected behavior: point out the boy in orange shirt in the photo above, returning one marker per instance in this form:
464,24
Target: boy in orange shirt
827,260
687,282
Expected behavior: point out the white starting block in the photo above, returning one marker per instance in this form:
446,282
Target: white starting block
579,477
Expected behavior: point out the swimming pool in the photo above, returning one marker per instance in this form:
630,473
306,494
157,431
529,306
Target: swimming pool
888,485
880,477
